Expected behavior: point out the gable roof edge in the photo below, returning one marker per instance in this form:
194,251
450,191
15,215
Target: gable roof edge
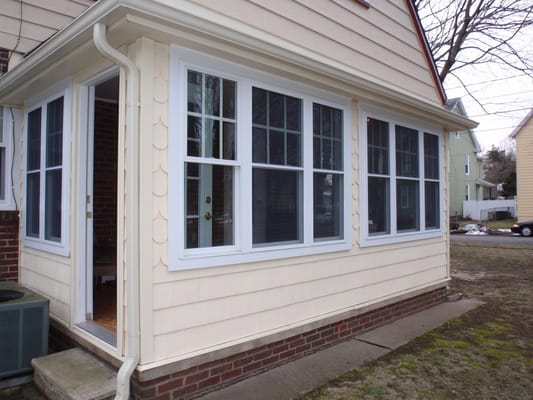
426,49
524,121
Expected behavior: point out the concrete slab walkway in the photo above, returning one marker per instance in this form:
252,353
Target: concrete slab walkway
293,379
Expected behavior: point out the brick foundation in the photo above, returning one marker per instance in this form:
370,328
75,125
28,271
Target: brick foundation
9,246
199,380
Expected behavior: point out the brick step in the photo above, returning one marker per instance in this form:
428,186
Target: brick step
74,375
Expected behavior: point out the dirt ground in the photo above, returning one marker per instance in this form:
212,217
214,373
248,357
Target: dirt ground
485,354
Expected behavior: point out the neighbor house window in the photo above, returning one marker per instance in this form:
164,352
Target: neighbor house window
467,164
46,168
264,168
401,169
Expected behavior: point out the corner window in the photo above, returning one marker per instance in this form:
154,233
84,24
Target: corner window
401,169
46,201
264,167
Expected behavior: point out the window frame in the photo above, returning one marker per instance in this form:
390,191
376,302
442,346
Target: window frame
242,250
61,247
394,235
6,122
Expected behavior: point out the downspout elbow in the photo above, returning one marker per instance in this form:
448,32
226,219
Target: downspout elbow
132,208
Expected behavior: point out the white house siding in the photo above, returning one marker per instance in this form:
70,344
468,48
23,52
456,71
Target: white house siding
524,166
248,301
39,20
49,275
381,41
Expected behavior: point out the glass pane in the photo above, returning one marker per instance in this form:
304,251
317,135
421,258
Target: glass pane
191,232
337,155
32,204
259,148
2,173
54,133
1,124
212,95
317,152
406,152
229,141
294,113
52,206
259,106
378,206
432,205
293,150
431,156
208,205
34,140
328,206
194,91
276,148
194,136
229,98
378,146
337,123
212,138
328,127
407,205
277,206
276,110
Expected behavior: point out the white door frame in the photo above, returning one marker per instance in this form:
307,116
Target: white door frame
84,284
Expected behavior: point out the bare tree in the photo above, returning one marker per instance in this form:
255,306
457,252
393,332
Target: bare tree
465,33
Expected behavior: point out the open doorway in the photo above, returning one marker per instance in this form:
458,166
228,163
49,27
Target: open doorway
101,209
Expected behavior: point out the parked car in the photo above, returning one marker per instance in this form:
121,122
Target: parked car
524,228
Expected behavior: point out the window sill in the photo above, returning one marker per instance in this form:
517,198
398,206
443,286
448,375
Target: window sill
223,258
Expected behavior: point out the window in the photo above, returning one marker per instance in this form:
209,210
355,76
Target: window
467,192
46,182
467,164
401,166
264,165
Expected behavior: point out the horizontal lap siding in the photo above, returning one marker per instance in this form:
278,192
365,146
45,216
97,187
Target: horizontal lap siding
253,302
49,276
524,166
379,41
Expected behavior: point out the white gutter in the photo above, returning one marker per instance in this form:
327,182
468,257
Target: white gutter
132,209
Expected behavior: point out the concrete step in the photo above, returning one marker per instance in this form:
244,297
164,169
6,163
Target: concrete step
74,375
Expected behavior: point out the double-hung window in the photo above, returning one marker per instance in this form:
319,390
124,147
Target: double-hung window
259,167
46,191
401,167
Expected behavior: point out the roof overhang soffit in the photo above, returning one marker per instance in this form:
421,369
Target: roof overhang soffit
191,25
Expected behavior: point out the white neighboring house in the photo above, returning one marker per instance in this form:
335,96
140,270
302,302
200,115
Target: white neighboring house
258,179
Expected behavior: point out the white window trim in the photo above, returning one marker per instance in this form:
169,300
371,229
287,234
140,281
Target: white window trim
242,251
7,203
370,111
467,164
62,89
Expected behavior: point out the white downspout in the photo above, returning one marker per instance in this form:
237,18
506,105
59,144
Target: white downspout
132,209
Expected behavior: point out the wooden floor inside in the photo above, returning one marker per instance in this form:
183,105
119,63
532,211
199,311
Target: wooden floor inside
105,305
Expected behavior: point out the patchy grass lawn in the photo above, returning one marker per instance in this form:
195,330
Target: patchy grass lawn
485,354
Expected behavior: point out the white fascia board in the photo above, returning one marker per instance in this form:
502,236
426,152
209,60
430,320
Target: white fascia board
164,15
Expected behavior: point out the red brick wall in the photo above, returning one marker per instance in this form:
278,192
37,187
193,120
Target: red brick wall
105,181
199,380
9,245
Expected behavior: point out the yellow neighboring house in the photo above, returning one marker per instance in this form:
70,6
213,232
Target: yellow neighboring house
523,134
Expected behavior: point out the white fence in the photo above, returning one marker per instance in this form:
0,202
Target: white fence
484,210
